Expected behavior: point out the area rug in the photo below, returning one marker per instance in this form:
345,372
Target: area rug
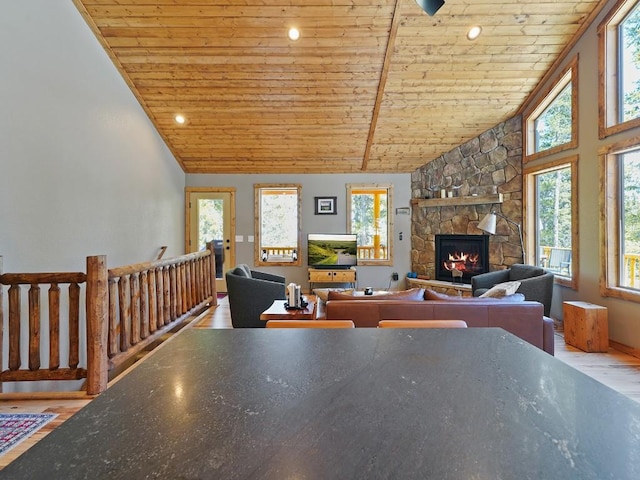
221,295
15,427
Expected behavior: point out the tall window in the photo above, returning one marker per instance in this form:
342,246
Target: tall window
551,126
551,199
619,39
621,220
277,226
369,216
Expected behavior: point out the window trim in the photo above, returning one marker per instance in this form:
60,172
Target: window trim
610,221
530,217
257,231
389,188
568,74
608,87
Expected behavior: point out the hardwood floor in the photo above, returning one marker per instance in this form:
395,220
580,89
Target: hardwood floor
614,369
63,408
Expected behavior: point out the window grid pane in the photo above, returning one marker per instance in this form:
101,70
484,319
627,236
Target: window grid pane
629,66
630,219
553,126
279,219
554,221
369,222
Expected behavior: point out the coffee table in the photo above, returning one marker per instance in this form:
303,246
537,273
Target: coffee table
277,312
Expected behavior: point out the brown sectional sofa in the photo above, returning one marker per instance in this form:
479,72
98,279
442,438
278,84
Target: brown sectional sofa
524,319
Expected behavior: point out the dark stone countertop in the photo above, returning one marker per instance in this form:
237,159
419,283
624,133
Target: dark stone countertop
345,403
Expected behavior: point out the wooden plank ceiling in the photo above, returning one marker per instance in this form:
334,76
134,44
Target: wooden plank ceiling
371,85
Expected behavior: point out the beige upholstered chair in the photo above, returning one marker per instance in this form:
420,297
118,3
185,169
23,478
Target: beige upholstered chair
422,324
310,324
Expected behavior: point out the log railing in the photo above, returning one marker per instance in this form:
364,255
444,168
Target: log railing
147,299
127,309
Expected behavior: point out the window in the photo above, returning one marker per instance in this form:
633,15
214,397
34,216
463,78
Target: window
621,220
551,126
368,216
277,225
619,68
551,195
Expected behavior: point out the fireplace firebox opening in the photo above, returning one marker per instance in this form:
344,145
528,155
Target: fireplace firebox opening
460,257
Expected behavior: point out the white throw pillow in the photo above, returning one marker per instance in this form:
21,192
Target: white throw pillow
501,290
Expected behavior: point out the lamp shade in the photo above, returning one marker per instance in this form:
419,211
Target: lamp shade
488,223
430,6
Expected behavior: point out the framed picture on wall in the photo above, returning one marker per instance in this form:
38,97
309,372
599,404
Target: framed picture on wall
325,205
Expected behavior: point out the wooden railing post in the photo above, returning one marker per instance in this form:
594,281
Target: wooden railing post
97,324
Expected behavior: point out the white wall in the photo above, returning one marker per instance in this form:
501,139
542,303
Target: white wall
82,169
316,186
624,316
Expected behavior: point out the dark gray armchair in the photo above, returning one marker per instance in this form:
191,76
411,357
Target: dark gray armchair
251,293
536,284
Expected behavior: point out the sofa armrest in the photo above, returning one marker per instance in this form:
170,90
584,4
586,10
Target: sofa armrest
488,280
538,288
267,276
548,336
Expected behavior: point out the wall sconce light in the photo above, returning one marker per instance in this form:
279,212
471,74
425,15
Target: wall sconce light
488,224
430,6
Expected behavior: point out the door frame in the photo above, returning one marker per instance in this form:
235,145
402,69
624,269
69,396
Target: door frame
231,252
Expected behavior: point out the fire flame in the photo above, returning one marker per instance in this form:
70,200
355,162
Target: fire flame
459,261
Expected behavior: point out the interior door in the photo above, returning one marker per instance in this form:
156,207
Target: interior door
211,217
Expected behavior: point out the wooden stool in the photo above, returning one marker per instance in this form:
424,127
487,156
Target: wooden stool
586,326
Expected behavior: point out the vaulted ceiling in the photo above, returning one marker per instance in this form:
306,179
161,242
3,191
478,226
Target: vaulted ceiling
370,86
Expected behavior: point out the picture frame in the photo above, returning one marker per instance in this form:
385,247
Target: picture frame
326,205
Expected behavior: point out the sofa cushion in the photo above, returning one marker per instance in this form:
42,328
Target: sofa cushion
323,293
433,295
413,294
501,290
519,271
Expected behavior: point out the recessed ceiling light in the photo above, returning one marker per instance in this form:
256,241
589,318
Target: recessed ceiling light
294,34
180,119
474,32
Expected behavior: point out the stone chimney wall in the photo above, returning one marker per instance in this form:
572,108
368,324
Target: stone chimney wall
490,163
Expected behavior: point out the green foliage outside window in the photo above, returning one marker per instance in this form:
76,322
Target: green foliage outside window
554,208
210,221
553,126
362,221
279,219
630,65
631,202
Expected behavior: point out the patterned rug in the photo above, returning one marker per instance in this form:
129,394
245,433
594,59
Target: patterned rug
15,427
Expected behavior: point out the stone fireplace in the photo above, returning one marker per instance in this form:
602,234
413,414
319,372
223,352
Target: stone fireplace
484,166
460,257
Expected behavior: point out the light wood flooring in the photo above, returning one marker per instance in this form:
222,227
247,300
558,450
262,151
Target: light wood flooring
614,369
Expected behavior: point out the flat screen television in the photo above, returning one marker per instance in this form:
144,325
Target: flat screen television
332,250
